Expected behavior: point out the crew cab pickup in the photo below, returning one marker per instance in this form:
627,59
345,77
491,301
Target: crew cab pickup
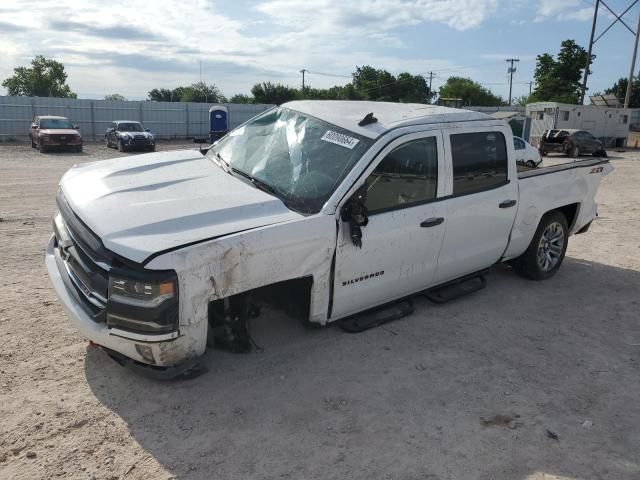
326,208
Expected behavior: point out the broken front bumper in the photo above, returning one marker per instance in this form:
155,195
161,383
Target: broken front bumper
156,353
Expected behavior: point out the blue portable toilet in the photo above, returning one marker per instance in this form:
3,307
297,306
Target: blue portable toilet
218,116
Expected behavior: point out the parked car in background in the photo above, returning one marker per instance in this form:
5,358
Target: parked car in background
129,135
570,142
48,132
526,154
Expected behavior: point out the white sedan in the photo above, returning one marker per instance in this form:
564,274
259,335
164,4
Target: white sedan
526,154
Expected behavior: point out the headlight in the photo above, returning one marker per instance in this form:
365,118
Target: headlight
139,292
144,305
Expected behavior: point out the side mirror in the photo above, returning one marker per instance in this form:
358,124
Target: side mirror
147,129
33,125
76,127
355,212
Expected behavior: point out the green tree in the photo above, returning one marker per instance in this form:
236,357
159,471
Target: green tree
198,92
276,93
379,85
241,98
115,97
471,93
45,78
619,89
523,100
560,79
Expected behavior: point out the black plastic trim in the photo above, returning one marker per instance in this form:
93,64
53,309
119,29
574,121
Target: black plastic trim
562,168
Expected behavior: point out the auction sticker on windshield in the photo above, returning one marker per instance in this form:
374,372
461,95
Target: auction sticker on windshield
340,139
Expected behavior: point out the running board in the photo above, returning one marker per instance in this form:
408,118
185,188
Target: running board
457,288
377,316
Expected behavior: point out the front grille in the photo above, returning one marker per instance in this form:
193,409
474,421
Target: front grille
86,273
140,140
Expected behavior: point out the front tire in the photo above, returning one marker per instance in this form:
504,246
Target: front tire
547,249
42,148
120,146
531,164
107,142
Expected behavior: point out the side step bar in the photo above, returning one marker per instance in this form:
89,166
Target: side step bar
457,288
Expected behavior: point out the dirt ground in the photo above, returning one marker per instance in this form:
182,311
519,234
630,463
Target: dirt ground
415,399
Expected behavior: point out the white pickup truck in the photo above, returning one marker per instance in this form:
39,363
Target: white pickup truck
326,208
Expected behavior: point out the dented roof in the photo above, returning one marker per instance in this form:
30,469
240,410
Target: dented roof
346,114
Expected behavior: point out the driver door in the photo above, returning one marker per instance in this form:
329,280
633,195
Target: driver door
401,242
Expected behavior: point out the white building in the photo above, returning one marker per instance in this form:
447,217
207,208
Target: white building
609,124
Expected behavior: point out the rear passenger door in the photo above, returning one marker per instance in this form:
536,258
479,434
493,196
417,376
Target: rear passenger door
482,203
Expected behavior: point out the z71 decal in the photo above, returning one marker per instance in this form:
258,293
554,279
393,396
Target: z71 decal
597,170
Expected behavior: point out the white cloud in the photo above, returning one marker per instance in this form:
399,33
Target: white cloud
563,10
131,47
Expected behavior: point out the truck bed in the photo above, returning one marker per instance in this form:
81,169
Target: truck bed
528,172
572,183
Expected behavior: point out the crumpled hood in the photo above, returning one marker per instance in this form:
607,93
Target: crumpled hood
145,204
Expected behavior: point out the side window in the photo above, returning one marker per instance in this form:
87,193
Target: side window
406,176
518,144
565,115
479,161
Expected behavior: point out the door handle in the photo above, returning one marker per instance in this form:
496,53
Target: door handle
508,204
432,222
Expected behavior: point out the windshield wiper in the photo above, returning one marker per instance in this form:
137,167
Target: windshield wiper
259,184
222,162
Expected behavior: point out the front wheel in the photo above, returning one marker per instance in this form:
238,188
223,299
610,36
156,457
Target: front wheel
545,253
107,143
120,146
531,164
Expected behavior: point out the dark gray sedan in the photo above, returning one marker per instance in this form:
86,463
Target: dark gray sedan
570,142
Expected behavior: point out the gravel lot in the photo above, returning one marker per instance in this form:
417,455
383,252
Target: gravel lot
415,399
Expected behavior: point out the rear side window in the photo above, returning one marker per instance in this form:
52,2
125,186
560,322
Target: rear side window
479,161
518,144
408,175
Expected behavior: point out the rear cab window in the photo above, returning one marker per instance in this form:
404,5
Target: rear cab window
479,161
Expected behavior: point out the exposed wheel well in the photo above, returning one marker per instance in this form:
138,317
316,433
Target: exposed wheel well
570,212
292,296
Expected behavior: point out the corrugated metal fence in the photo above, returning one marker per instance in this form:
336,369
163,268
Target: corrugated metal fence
164,119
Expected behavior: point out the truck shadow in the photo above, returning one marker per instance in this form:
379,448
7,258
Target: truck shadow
417,398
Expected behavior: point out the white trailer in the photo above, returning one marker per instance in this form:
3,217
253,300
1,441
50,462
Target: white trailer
610,125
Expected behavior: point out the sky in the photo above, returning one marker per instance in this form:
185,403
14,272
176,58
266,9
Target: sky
130,47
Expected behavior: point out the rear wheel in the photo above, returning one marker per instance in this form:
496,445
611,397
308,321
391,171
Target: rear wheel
531,164
545,253
574,152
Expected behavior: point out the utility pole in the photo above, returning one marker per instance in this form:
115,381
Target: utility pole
430,83
303,71
530,87
627,97
586,68
512,70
